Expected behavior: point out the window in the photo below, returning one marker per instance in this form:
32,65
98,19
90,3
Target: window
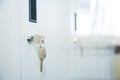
101,18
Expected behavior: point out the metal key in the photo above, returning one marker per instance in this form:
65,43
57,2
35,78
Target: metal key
41,65
41,55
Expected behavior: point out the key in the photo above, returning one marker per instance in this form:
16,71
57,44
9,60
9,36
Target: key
41,65
41,55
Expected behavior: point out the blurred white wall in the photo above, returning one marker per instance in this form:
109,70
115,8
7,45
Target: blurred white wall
7,39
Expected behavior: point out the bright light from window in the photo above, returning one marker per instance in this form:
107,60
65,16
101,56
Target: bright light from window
101,19
84,26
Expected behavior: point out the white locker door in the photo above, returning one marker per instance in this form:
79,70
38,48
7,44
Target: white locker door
53,24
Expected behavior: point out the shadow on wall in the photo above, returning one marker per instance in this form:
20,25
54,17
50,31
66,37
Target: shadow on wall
1,77
1,2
